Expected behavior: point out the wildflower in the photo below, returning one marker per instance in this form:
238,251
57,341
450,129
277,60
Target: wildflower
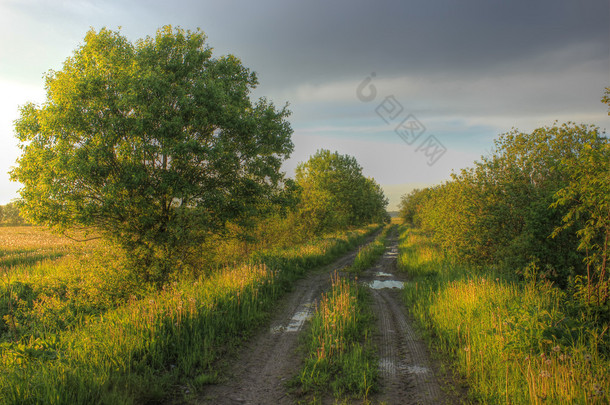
467,348
557,349
545,374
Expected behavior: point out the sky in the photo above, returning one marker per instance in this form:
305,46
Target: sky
412,89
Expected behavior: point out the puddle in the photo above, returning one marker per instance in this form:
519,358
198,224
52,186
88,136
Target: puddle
379,284
391,253
387,366
382,274
296,322
418,370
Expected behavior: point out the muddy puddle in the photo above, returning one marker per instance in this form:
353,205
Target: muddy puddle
418,370
302,315
380,284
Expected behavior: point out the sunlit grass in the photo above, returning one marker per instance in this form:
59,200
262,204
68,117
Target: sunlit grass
59,285
79,329
339,353
513,341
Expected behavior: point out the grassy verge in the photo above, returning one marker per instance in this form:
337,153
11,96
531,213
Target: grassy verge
154,345
368,254
339,351
513,341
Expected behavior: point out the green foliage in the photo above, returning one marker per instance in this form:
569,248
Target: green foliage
154,144
587,199
606,98
411,203
513,341
335,194
502,211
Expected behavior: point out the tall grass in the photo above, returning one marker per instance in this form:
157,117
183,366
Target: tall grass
339,351
154,344
514,341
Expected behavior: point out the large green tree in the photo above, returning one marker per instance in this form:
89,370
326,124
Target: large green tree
155,144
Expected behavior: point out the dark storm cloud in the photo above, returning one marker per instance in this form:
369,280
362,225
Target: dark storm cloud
316,41
469,69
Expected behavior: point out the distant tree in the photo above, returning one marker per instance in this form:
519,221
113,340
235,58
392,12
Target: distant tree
154,144
411,205
335,194
10,214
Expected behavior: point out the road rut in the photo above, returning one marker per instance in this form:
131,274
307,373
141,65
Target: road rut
262,367
407,375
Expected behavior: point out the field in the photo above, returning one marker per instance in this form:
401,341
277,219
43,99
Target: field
165,239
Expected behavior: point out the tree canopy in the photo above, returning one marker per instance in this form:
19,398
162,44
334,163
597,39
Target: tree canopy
155,144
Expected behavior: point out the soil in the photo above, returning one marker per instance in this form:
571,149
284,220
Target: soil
259,372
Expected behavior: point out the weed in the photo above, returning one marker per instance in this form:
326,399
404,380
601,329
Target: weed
90,333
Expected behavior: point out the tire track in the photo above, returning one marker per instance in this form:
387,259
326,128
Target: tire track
407,376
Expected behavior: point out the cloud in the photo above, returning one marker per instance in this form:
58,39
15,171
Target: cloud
498,100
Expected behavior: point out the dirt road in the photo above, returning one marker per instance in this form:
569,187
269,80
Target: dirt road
408,376
262,367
